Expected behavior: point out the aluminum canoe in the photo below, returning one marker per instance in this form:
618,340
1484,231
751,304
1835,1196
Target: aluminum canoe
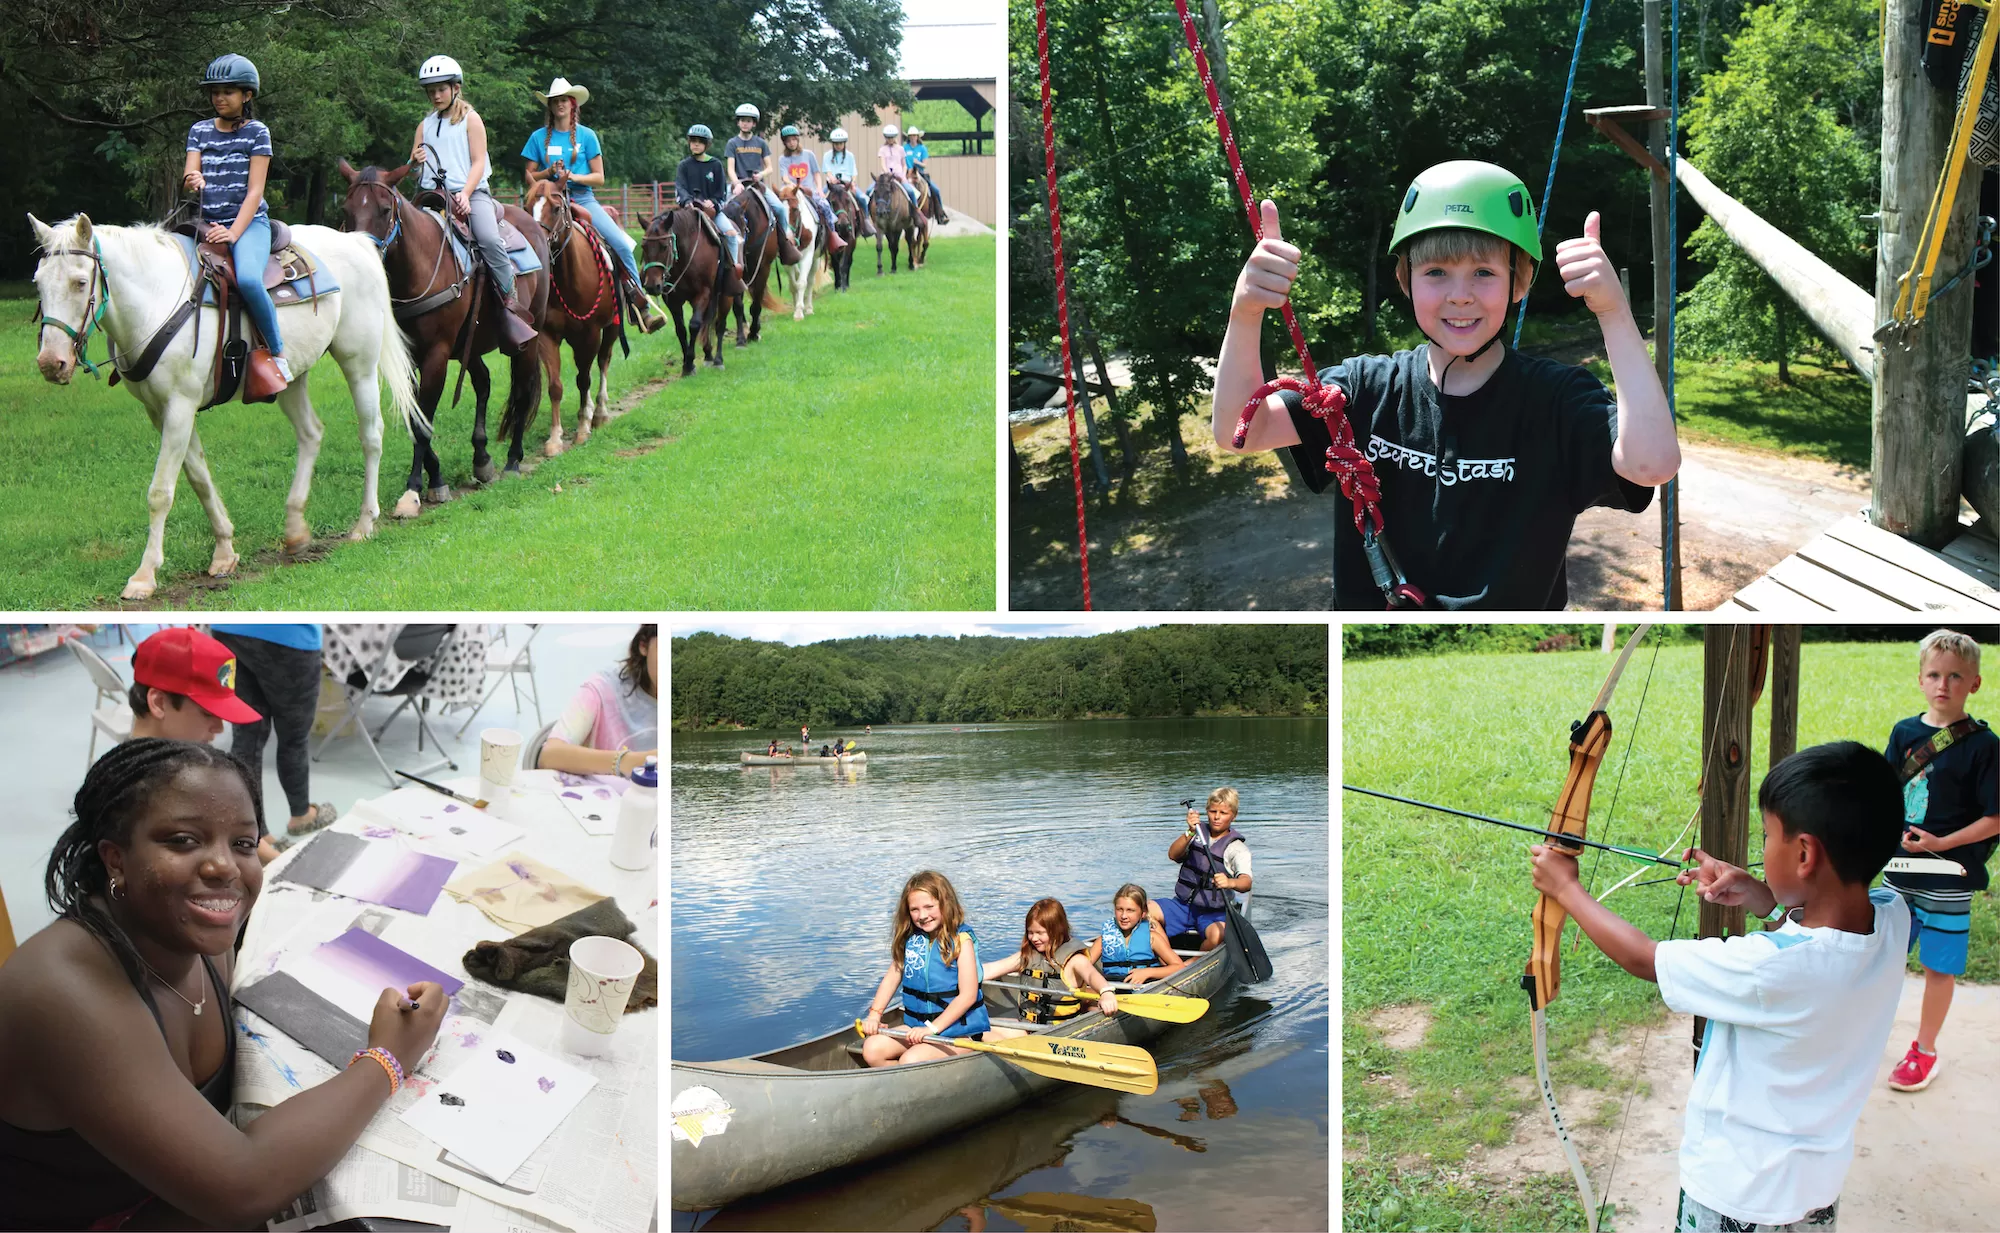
757,759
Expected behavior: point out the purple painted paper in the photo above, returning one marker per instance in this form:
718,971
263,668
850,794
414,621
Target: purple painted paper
367,960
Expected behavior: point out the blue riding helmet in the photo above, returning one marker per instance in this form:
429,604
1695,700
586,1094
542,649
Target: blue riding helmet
230,70
701,131
790,130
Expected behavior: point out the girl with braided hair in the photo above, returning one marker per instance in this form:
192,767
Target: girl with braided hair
117,1046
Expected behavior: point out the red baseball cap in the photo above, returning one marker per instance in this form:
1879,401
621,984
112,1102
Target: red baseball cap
187,661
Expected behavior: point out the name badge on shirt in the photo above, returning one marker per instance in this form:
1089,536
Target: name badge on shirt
555,153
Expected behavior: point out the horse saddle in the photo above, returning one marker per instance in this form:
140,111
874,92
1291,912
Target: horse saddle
292,275
462,242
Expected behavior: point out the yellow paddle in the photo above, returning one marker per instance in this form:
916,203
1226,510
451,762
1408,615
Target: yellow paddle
1122,1068
1166,1007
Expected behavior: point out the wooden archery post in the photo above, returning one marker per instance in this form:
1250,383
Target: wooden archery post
1727,663
1663,264
1784,693
1919,412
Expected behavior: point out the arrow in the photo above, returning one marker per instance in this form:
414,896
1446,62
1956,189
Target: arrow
1565,840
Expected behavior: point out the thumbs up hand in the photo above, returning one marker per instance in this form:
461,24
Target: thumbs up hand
1267,277
1586,270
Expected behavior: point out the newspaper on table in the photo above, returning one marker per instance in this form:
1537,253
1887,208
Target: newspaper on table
597,1171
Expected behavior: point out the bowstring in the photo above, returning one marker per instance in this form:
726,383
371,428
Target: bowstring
1631,740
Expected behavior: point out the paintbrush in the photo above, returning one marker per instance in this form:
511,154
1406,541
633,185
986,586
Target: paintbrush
441,790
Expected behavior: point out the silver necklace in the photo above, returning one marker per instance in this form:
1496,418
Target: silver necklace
176,992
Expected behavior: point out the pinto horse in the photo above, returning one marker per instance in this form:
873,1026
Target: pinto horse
584,312
846,225
682,260
760,254
889,209
434,295
131,283
812,248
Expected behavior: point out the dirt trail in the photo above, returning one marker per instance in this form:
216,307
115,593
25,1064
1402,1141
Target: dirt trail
1246,537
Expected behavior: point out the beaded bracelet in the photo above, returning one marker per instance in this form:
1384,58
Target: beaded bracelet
390,1066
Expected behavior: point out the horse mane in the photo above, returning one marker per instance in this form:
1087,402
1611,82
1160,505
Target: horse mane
63,234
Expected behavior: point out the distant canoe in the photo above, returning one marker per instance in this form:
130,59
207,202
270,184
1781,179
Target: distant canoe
757,759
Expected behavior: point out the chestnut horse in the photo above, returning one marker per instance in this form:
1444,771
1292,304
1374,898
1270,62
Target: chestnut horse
433,295
681,260
760,254
889,209
584,312
846,225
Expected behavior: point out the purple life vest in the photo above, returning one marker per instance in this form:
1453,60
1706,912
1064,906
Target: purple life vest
1198,863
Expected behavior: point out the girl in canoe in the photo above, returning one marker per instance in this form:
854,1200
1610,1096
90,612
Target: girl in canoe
1132,948
1050,959
934,958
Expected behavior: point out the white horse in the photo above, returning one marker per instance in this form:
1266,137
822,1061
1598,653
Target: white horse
801,271
127,281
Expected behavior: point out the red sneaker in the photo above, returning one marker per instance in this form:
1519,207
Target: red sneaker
1915,1072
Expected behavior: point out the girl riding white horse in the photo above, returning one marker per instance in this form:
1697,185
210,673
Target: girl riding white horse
125,282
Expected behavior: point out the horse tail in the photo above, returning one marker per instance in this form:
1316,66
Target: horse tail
393,363
771,301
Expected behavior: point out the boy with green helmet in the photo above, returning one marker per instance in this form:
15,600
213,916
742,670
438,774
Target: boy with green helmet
1485,457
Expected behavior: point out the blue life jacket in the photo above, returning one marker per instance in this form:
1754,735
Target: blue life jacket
1193,887
930,984
1122,955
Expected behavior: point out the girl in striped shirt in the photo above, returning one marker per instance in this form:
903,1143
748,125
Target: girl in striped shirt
227,160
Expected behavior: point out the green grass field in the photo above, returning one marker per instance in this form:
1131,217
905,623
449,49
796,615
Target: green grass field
842,462
1436,909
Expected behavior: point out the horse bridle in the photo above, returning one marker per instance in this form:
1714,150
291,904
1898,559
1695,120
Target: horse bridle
667,280
93,308
384,244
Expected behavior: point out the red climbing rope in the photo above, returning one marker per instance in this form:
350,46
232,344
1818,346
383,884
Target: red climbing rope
1062,283
1345,462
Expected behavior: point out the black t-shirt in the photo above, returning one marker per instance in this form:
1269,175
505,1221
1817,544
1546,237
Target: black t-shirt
1956,788
1479,491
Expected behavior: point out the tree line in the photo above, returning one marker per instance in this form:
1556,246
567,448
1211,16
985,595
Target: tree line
1338,104
103,91
724,682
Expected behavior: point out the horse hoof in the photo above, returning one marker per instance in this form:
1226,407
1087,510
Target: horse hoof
362,529
292,546
484,473
554,445
514,467
438,495
135,589
407,506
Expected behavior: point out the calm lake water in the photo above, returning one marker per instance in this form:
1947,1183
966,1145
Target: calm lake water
784,879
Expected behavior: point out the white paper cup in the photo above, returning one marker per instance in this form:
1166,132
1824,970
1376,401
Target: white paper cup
602,972
499,755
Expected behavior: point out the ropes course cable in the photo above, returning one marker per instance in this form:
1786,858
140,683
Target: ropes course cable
1670,492
1344,460
1062,288
1555,155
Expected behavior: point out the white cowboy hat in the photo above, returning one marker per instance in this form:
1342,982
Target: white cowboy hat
560,88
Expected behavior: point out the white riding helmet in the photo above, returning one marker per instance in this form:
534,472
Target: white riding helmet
440,69
890,130
750,110
839,134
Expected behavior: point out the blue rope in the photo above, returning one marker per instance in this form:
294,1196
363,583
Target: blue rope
1562,123
1671,529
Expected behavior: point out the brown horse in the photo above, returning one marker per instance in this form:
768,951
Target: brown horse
847,225
433,295
889,209
584,312
682,260
760,255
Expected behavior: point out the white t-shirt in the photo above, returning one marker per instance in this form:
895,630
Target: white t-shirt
1797,1021
1235,857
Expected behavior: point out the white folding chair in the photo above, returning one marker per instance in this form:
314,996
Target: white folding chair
509,664
111,711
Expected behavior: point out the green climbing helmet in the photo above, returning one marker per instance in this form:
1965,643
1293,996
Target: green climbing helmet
1475,196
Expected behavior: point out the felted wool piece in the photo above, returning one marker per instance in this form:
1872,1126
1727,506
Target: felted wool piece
537,961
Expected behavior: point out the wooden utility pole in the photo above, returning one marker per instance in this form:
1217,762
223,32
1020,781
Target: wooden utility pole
1657,137
1784,693
1919,399
1728,664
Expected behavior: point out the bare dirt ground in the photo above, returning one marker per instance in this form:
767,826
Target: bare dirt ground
1238,534
1921,1160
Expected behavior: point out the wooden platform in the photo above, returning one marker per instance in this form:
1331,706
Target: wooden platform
1858,570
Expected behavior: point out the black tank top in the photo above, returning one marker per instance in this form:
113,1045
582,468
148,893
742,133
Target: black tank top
54,1179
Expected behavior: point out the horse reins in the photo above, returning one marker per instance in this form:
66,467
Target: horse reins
401,307
598,258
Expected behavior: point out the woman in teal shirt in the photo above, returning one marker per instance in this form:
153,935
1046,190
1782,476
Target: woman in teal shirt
567,150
